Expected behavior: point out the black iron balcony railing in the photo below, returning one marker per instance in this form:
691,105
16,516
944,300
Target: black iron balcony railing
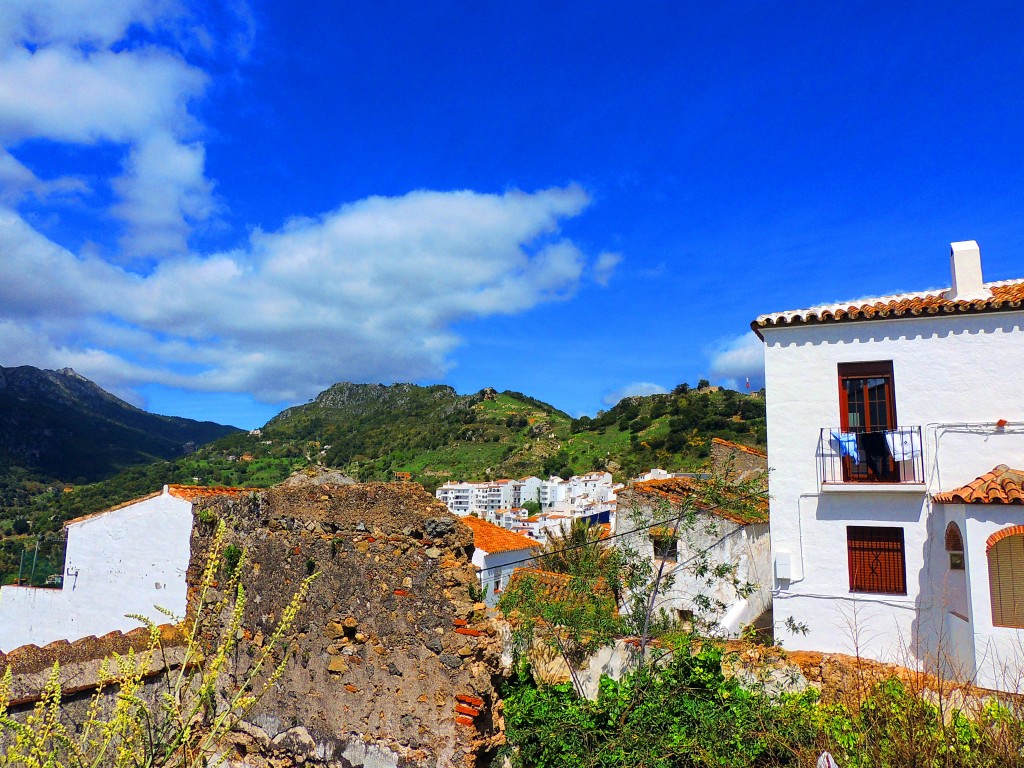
884,456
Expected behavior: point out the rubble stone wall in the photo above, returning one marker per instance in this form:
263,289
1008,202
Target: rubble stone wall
396,662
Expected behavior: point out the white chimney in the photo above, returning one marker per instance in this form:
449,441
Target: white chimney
965,264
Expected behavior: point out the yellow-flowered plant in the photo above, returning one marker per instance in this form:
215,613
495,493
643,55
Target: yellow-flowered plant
197,702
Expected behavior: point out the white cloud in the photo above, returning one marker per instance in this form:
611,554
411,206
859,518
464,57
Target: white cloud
735,360
97,22
605,266
367,292
65,77
634,389
16,181
162,193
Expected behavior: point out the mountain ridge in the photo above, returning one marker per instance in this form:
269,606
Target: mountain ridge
64,427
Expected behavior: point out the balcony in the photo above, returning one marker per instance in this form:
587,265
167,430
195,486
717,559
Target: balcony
889,460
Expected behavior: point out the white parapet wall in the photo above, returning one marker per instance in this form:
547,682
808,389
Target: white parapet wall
127,560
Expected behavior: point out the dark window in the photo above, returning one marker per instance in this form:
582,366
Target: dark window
867,408
955,547
1006,581
876,560
665,547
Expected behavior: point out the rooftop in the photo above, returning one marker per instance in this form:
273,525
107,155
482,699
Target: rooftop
194,492
493,538
190,493
739,447
680,490
1007,295
1000,486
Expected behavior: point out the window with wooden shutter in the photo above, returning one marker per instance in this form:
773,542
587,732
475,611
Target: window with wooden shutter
1006,581
876,560
867,408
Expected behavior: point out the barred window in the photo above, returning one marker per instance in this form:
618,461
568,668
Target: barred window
1006,581
876,560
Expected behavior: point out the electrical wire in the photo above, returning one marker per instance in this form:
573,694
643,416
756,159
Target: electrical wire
655,524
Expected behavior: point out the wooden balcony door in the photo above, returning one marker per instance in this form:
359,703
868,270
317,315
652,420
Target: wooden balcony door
867,408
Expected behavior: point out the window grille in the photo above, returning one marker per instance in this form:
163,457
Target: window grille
1006,581
876,560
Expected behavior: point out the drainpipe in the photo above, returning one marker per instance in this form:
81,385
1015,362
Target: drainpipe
800,533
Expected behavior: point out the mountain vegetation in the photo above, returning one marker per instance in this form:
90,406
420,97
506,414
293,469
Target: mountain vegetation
60,430
368,431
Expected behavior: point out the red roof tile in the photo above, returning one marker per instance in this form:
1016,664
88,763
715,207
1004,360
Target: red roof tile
554,586
493,538
740,447
190,493
677,490
194,492
1000,486
1007,295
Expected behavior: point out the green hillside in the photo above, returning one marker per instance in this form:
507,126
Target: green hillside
371,431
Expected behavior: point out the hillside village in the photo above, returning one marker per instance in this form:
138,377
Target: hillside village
882,522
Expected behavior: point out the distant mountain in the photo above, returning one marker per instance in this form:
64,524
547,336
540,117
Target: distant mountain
372,431
60,426
367,431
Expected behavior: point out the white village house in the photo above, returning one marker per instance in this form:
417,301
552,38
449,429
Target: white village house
123,560
892,534
497,553
737,536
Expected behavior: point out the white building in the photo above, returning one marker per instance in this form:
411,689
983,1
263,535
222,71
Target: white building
124,560
737,537
497,554
592,494
874,410
488,497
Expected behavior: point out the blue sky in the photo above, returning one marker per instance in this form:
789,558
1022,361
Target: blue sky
216,210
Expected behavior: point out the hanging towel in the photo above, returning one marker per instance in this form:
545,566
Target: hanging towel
845,444
875,451
902,444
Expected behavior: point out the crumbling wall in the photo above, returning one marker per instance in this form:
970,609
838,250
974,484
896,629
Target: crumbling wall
396,662
741,461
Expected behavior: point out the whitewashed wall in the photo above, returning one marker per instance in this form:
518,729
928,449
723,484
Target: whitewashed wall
998,651
954,376
120,562
499,567
748,547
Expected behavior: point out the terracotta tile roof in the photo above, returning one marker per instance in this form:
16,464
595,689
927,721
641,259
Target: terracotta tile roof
195,492
739,447
677,490
190,493
1000,486
553,586
493,538
1007,295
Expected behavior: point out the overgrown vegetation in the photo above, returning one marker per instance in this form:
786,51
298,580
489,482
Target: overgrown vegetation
677,713
684,705
181,720
684,711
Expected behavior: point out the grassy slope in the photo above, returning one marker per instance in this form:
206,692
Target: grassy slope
370,432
